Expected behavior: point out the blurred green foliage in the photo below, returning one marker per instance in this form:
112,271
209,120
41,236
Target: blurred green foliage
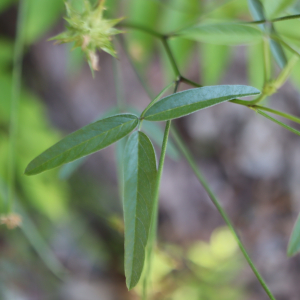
204,270
193,273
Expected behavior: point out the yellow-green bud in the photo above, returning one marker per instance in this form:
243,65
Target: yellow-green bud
90,31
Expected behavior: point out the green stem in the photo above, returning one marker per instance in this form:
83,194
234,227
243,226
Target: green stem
276,38
171,58
291,17
15,102
190,82
289,128
285,72
215,201
155,100
154,219
279,113
141,28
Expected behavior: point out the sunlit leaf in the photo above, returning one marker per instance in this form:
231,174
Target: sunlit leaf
294,243
84,141
222,33
139,185
189,101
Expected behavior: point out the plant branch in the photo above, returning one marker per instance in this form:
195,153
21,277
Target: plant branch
279,113
285,18
171,57
141,28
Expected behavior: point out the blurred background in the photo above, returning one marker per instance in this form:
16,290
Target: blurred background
70,245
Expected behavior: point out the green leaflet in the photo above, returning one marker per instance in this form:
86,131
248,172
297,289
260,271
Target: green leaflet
294,243
139,185
258,13
186,102
222,33
84,141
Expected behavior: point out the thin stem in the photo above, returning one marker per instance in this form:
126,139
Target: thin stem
141,28
154,219
215,201
190,82
15,101
285,72
289,128
276,38
291,17
171,57
279,113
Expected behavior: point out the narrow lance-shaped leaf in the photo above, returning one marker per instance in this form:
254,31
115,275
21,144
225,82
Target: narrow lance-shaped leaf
258,13
67,170
222,33
186,102
84,141
294,243
139,185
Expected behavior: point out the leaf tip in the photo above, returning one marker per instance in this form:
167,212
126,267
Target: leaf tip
131,283
29,170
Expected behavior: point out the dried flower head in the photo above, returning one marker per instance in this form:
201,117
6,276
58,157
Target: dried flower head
90,31
11,220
